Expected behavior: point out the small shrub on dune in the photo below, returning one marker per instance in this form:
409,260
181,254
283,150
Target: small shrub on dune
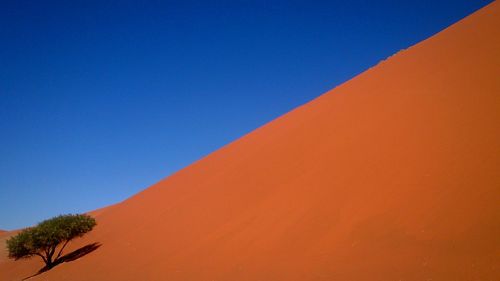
49,238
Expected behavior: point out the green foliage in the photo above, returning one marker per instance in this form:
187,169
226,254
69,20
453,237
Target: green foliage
43,239
21,245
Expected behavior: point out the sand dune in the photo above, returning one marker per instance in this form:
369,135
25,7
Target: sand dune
394,175
3,250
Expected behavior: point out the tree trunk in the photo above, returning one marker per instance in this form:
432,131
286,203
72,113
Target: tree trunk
50,254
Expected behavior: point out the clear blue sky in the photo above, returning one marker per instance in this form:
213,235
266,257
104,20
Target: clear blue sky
100,99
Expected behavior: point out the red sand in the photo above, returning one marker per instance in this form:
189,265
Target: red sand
393,175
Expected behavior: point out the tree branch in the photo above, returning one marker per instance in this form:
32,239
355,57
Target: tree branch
60,251
44,259
50,253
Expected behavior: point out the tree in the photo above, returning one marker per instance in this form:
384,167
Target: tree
44,239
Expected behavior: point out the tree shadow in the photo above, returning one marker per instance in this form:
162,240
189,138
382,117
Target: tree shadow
76,254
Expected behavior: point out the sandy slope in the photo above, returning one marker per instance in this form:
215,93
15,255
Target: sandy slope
3,251
393,175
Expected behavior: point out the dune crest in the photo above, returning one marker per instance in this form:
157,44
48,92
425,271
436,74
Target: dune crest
393,175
